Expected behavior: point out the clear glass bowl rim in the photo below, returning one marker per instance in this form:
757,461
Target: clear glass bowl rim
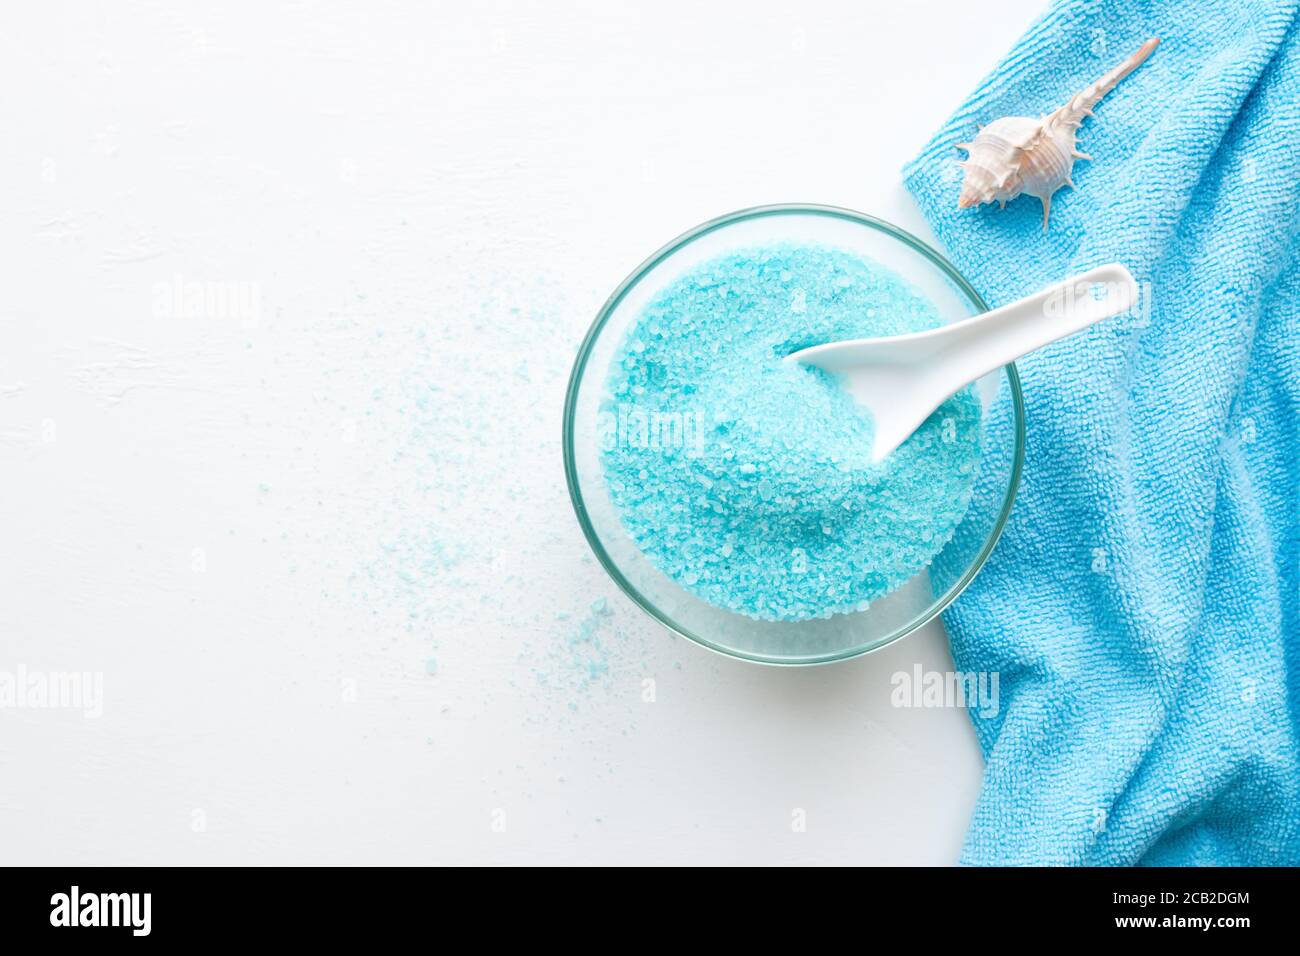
575,382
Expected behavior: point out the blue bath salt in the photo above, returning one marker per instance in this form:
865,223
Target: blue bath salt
749,481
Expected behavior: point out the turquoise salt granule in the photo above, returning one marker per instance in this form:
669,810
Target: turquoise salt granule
749,481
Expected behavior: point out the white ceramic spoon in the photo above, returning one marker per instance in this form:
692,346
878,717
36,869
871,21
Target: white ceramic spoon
902,379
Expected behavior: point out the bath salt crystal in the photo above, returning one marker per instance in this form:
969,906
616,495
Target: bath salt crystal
797,522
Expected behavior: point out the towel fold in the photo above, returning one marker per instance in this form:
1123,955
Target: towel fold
1143,605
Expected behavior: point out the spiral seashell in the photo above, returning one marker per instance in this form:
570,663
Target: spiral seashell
1019,154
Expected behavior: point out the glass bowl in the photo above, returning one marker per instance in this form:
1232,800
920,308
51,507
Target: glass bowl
841,636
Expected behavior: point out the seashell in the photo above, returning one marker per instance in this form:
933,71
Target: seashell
1018,154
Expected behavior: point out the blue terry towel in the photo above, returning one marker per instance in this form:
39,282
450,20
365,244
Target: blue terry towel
1142,605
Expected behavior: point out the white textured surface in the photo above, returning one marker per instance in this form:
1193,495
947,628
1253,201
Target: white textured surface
231,516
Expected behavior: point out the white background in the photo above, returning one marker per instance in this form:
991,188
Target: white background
261,518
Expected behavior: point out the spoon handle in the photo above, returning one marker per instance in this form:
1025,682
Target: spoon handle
999,337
